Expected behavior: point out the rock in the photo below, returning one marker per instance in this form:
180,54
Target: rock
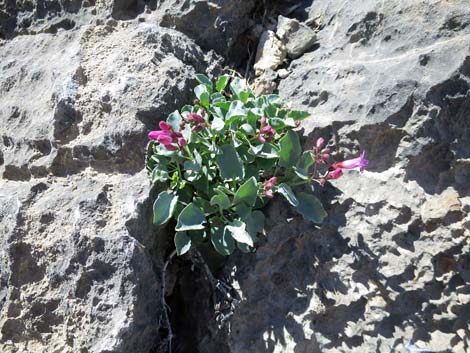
79,268
385,270
265,83
439,206
212,24
296,36
270,53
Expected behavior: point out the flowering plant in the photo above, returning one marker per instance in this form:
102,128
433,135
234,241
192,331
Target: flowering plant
225,156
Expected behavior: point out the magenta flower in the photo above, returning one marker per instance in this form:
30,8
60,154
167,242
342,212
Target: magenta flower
182,141
266,131
269,184
164,126
195,118
335,174
172,140
320,142
267,187
359,162
164,137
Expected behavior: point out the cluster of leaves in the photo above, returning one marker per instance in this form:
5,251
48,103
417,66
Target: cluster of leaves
221,173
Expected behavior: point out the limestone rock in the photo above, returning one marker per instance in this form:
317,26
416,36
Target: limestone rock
270,53
78,263
386,271
296,36
212,24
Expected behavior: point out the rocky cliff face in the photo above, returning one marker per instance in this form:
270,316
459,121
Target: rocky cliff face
82,82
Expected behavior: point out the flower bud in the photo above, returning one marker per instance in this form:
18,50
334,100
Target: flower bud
182,141
164,126
320,142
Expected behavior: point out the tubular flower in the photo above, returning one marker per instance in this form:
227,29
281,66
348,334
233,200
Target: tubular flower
321,155
197,120
267,187
266,131
172,140
359,162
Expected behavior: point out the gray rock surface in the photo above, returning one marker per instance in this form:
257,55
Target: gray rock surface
81,84
297,36
212,24
388,271
79,267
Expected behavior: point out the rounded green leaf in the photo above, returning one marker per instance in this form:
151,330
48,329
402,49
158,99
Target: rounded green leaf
298,114
247,192
287,192
220,200
222,241
182,243
255,223
190,218
236,110
229,163
163,207
222,82
310,207
237,229
203,79
174,119
290,149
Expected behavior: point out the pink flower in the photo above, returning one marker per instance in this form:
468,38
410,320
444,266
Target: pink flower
172,140
163,137
359,162
267,187
269,184
195,118
164,126
182,141
266,131
335,174
320,142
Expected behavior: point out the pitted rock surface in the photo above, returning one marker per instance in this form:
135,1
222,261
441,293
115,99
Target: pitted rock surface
79,271
388,271
82,83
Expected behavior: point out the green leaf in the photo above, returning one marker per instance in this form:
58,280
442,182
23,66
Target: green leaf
163,207
287,192
277,123
298,115
218,124
255,223
235,111
303,165
203,95
222,241
191,218
274,99
310,207
160,174
197,236
268,151
182,243
174,119
220,200
247,129
237,229
237,85
247,192
217,97
229,163
222,82
205,81
242,210
290,149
